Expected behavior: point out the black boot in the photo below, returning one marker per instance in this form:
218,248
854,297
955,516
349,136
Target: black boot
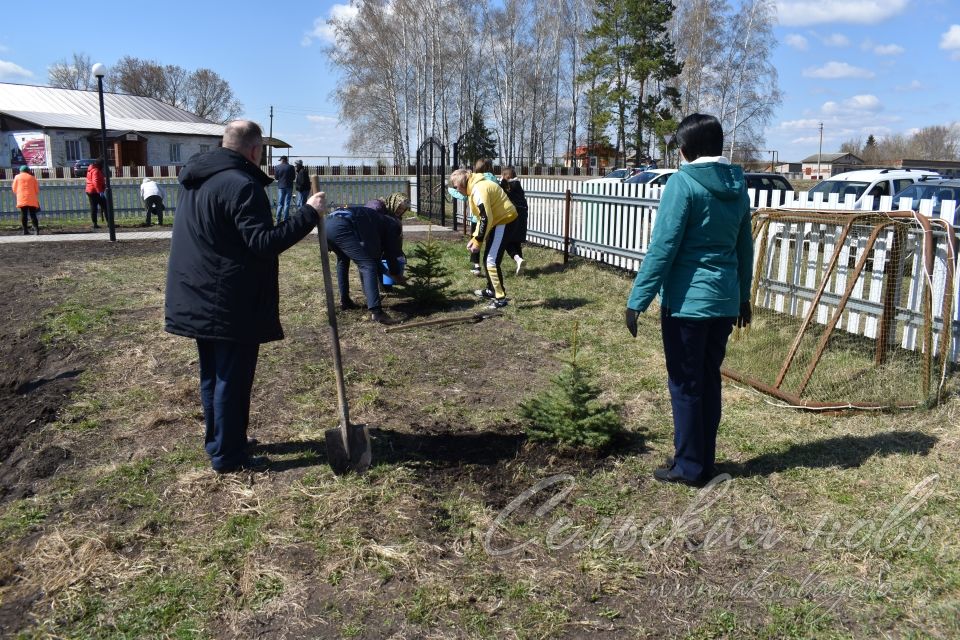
379,315
26,230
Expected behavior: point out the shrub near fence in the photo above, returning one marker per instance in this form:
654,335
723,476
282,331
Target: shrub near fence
65,199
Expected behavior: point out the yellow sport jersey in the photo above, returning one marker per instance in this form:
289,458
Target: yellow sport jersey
489,205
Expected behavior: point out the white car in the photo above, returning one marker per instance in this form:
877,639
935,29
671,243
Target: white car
617,175
869,182
657,177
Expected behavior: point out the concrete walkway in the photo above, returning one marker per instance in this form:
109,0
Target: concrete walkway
164,234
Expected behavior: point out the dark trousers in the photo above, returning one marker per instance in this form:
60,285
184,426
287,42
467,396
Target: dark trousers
474,257
344,240
226,380
304,196
694,350
97,202
32,212
154,206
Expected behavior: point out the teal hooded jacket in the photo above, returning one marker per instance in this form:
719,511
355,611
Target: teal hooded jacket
700,257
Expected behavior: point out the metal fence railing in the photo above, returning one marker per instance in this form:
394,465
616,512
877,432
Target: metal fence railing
65,198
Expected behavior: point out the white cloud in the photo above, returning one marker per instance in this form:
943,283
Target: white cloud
322,119
835,40
796,41
806,140
803,12
865,102
888,49
13,71
913,85
323,30
950,41
796,125
837,70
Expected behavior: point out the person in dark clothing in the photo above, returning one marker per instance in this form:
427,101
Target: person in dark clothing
301,182
222,280
516,230
284,175
366,237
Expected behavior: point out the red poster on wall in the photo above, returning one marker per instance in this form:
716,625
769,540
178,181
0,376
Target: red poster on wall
29,148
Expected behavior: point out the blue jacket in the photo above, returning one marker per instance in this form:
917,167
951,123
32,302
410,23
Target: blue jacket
700,257
222,276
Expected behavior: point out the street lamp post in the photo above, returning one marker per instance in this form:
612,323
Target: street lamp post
99,70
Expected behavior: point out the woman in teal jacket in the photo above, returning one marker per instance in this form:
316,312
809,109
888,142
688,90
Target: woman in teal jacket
700,261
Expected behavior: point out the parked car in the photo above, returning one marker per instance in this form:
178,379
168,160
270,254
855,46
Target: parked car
870,182
656,177
767,182
79,168
938,190
616,175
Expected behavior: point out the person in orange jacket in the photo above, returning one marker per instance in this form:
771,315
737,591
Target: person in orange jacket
96,185
28,198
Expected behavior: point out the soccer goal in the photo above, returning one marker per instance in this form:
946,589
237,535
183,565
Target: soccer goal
851,310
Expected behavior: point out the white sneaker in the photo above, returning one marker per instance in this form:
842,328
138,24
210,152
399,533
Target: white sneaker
484,293
519,263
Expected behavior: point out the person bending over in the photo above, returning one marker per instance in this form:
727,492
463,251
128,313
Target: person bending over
365,237
493,211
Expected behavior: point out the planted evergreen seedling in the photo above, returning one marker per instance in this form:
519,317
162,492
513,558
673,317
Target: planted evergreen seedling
570,412
427,281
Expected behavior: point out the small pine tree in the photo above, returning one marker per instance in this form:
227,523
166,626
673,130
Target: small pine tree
570,413
426,276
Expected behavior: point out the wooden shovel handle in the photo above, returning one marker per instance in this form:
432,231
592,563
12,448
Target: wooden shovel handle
334,334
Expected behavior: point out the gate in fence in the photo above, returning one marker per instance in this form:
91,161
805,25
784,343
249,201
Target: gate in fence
431,181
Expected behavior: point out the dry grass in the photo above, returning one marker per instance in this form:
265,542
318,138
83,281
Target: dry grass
138,538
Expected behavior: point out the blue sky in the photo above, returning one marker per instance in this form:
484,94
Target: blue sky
858,66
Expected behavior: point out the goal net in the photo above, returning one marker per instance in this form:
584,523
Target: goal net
850,310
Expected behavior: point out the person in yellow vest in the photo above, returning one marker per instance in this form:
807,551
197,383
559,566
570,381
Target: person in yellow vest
493,210
28,198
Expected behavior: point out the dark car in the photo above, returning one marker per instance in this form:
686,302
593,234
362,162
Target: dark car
938,190
768,182
79,168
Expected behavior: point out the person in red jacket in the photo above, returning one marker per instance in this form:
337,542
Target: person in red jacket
28,198
96,185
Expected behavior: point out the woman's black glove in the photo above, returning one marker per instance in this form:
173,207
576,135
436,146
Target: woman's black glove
631,317
746,315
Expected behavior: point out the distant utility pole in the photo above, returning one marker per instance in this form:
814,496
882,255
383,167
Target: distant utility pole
270,146
820,153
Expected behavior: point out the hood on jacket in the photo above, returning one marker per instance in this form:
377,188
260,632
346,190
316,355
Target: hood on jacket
723,180
202,166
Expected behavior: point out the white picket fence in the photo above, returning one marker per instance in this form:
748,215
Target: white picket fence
613,222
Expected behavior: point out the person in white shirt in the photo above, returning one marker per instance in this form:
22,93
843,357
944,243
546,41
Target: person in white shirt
152,195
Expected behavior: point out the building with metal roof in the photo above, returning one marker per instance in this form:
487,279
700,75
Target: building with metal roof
50,127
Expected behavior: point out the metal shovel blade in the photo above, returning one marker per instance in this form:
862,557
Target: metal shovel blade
355,456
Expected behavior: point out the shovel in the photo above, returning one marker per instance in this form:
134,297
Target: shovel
348,448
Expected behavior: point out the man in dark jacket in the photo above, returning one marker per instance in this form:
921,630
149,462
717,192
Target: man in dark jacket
366,237
302,182
222,280
283,172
